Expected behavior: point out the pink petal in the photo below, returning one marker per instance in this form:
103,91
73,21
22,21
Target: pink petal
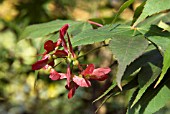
68,75
62,32
81,81
49,46
100,74
63,75
40,64
101,71
88,70
54,75
46,67
59,41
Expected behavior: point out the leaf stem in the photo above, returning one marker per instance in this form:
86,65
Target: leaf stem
94,23
93,50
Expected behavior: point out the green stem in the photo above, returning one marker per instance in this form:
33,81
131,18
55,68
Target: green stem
93,50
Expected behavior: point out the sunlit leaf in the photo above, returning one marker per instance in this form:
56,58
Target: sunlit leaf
101,34
152,7
40,30
164,26
122,8
138,12
166,64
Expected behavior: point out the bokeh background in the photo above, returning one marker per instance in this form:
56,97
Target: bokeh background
17,92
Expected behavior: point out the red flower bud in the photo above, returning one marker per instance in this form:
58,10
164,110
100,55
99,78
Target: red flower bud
60,53
49,46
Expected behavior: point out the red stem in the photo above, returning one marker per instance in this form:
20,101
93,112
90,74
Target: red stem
94,23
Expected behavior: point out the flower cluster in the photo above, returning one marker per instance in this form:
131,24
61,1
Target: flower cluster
63,49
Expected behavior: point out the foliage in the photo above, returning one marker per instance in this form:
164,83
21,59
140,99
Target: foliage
141,49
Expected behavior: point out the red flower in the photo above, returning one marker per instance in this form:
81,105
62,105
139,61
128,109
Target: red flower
82,80
41,63
99,74
49,46
52,52
62,32
68,75
60,53
54,75
90,72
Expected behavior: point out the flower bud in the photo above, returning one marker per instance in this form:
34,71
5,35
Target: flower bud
48,68
50,57
49,46
54,56
56,48
69,60
75,62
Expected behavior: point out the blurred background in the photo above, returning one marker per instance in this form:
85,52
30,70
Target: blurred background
17,93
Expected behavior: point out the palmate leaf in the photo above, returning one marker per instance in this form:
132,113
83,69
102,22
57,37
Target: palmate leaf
152,7
101,34
127,49
40,30
152,100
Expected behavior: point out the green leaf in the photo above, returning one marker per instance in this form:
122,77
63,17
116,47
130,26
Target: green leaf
154,20
152,7
164,26
138,12
122,8
79,27
162,40
101,34
152,100
152,56
146,77
159,37
166,64
40,30
126,49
